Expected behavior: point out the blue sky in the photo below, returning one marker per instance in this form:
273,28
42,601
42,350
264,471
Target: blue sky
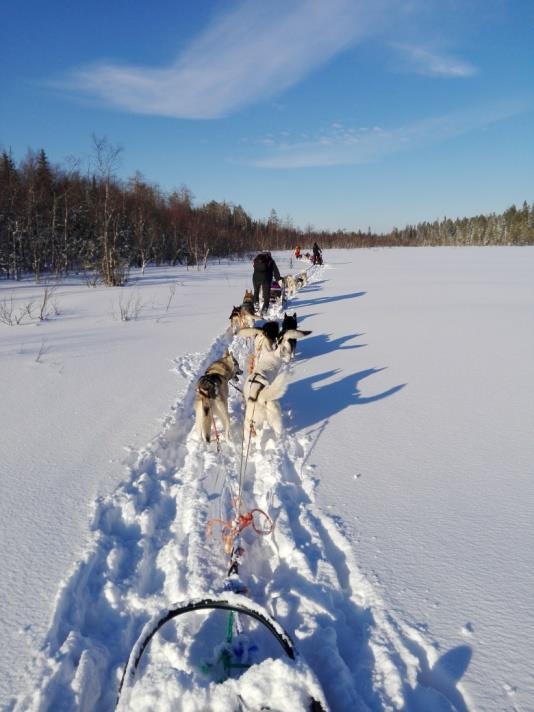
336,113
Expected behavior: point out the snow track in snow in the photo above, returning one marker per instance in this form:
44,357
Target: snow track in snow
150,549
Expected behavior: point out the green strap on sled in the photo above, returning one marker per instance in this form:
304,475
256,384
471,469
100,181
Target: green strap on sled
225,656
230,627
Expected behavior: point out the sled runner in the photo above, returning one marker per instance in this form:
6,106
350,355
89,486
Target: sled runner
303,690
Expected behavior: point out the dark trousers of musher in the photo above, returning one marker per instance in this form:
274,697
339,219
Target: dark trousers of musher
260,280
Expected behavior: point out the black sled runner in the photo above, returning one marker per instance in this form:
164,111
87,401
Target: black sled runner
271,684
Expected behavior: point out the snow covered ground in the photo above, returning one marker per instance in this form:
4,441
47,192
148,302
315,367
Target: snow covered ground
402,557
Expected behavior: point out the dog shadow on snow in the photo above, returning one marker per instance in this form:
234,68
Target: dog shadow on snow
324,401
321,344
300,317
442,677
313,302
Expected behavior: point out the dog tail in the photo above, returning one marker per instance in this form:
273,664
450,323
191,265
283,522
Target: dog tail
276,389
296,333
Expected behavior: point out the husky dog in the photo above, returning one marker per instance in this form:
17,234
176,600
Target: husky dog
235,319
287,338
248,301
212,394
265,337
240,318
262,390
243,315
290,285
301,280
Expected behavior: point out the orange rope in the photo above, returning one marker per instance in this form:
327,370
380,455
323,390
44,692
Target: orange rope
231,529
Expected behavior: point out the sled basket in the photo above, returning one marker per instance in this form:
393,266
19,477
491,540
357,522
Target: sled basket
276,292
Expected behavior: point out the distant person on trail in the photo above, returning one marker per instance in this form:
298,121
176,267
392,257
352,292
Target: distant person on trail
317,254
297,252
264,270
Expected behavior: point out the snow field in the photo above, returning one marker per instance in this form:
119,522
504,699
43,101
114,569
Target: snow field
408,419
150,550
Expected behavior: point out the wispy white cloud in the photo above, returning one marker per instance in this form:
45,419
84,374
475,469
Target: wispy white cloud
251,52
424,61
341,145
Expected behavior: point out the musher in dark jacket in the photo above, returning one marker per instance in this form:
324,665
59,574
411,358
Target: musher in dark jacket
265,270
317,254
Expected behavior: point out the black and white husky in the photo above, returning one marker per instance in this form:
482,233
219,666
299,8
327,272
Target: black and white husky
265,337
287,338
262,390
270,337
212,395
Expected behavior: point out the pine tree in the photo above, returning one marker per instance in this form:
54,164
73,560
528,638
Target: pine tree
9,189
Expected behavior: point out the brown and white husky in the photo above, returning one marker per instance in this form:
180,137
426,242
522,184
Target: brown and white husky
212,395
243,316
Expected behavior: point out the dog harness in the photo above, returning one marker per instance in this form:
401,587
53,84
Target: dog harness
208,385
261,382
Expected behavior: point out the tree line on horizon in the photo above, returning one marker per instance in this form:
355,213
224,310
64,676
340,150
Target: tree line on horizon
56,220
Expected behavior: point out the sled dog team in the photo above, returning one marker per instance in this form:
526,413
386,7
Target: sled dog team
265,383
244,315
292,283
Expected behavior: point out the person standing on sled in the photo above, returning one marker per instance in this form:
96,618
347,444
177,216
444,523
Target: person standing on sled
317,254
297,252
264,270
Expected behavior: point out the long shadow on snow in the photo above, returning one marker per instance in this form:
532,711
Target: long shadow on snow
307,289
313,286
329,399
291,309
322,344
327,300
443,676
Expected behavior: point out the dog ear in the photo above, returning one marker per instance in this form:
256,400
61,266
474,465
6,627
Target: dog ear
295,316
